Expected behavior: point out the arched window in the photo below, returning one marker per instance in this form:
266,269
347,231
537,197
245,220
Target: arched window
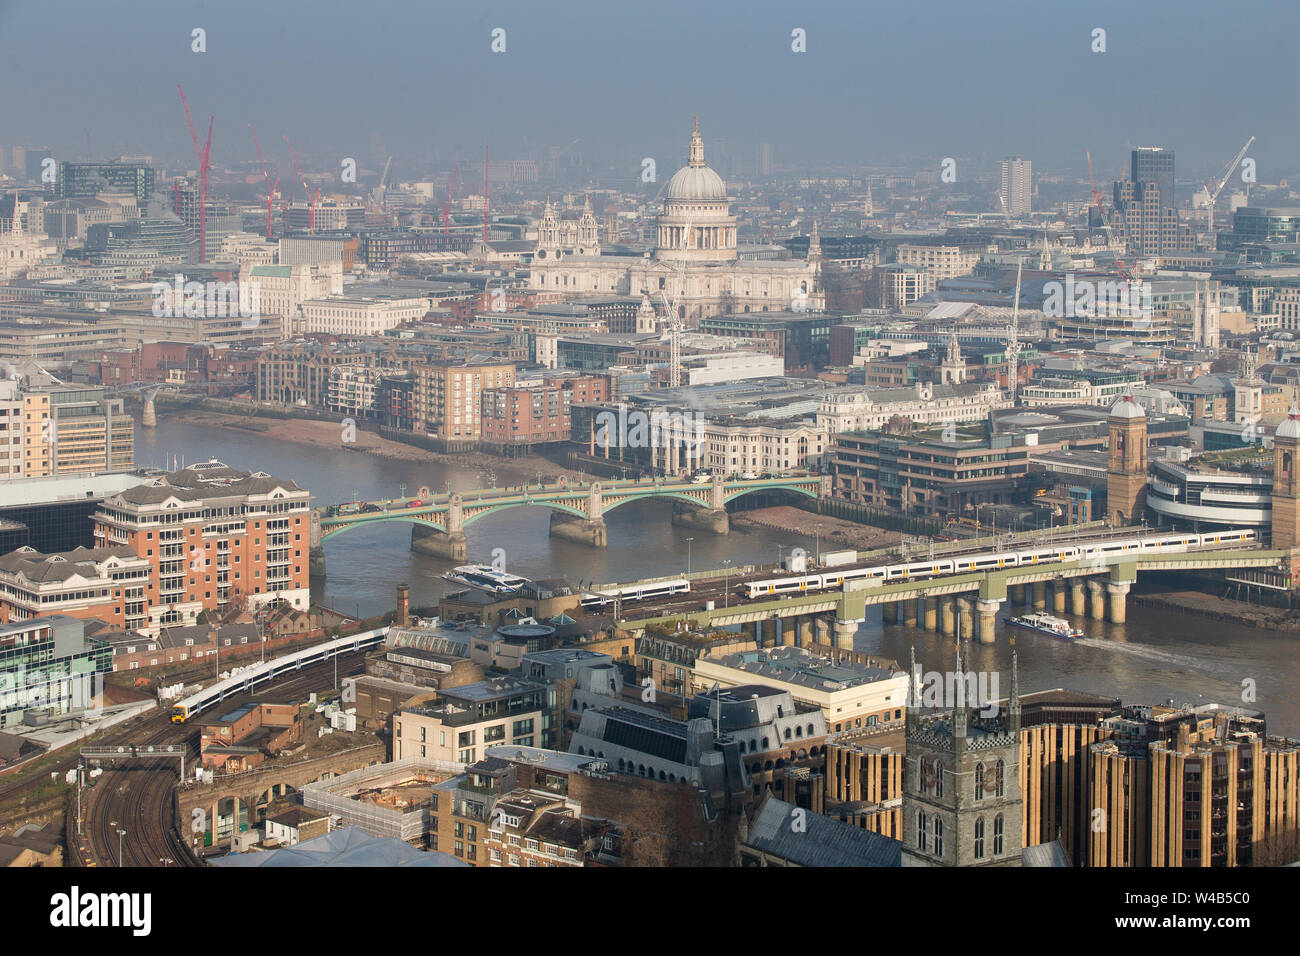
798,732
979,781
787,733
938,778
979,839
999,779
922,831
938,837
811,732
997,835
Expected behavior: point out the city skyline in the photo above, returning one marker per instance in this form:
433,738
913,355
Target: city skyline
1140,91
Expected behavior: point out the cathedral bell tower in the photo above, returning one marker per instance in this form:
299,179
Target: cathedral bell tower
1286,483
1126,471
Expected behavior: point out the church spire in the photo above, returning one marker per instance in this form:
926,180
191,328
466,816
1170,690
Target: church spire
697,146
1013,702
814,243
913,691
960,715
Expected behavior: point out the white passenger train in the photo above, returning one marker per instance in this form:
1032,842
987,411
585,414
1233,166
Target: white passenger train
1105,552
269,670
636,592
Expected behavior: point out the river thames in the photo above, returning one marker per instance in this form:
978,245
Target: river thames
1155,657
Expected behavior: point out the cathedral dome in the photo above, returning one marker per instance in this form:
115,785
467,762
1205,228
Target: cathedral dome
696,182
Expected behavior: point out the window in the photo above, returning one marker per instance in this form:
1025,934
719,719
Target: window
979,781
922,831
979,839
997,835
938,837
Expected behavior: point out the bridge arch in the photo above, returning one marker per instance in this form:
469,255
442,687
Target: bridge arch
766,489
496,509
648,496
386,519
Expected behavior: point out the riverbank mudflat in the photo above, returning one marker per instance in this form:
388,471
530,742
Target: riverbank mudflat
836,534
1217,608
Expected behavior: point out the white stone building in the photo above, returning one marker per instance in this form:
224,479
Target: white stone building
848,410
695,266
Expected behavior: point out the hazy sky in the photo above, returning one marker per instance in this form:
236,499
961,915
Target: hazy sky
914,81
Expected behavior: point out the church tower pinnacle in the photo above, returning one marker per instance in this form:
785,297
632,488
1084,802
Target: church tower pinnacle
697,146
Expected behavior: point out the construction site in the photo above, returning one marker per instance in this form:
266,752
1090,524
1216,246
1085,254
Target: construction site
385,800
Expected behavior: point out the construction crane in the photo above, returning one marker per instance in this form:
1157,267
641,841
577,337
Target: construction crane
1215,186
204,157
383,178
1013,344
266,177
311,206
451,186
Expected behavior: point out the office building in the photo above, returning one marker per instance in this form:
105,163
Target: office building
1017,186
48,668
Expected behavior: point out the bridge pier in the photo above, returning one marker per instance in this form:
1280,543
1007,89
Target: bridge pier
1058,597
1077,604
1040,595
316,563
948,616
965,611
715,520
1097,602
789,631
751,630
931,618
805,631
580,530
988,611
889,612
909,612
426,540
149,416
823,630
844,632
1118,601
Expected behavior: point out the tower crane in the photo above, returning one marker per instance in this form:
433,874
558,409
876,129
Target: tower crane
451,186
204,157
1215,186
266,177
311,206
1013,343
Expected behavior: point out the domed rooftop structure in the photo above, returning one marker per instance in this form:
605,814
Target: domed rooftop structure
696,224
1291,427
1127,408
696,182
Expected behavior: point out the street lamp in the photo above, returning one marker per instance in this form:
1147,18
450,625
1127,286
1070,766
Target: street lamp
779,557
817,530
688,556
726,588
121,834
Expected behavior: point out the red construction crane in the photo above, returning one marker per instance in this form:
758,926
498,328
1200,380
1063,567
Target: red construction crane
266,176
204,157
446,206
311,207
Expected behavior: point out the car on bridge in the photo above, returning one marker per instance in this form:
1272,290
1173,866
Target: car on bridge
417,503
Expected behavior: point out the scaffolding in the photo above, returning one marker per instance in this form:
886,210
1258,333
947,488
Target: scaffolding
371,798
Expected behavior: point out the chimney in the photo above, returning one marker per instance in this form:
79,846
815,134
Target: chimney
403,604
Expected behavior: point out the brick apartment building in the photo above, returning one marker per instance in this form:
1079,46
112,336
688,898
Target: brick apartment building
212,536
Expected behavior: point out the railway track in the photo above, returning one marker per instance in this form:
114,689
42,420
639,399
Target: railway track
140,798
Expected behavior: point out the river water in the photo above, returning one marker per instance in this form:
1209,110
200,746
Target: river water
1155,657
